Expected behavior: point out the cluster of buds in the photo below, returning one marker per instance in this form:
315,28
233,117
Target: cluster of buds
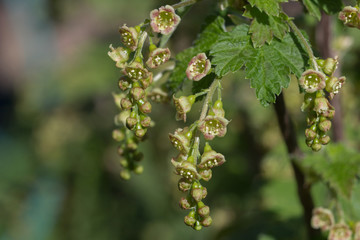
320,87
350,16
323,219
190,165
133,121
130,157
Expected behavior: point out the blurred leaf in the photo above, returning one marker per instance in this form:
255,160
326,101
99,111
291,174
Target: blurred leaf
329,7
338,166
205,83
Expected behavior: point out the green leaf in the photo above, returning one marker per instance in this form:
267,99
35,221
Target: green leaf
263,27
338,167
231,50
203,43
268,67
329,7
205,83
313,8
271,7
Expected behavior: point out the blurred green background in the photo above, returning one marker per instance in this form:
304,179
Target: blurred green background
59,172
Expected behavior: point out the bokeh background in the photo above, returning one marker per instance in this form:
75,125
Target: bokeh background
59,176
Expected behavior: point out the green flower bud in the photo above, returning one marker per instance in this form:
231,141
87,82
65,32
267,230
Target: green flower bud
316,145
330,66
145,121
144,106
190,218
183,105
120,55
322,218
124,162
322,106
325,125
124,83
202,209
205,174
137,93
308,101
184,184
146,82
340,231
197,192
324,139
206,222
197,226
138,169
185,203
218,109
129,37
139,131
310,134
126,103
131,122
125,174
118,135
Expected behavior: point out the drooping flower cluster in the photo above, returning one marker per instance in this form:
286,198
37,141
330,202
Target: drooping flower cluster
133,121
323,219
320,87
189,163
350,16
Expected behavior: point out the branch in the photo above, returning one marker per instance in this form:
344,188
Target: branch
295,154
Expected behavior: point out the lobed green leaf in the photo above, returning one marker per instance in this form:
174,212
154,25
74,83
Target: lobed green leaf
264,27
339,167
268,67
271,7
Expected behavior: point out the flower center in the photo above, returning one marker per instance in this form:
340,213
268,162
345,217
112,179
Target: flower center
212,127
165,20
312,81
135,73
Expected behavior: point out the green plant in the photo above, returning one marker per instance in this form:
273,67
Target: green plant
256,37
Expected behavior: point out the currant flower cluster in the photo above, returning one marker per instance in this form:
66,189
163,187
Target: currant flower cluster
320,86
189,163
136,83
323,219
350,16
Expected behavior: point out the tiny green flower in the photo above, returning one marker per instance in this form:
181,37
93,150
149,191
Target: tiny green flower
312,81
164,20
136,71
350,16
180,139
340,231
129,37
183,105
322,218
213,126
120,55
157,57
198,67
